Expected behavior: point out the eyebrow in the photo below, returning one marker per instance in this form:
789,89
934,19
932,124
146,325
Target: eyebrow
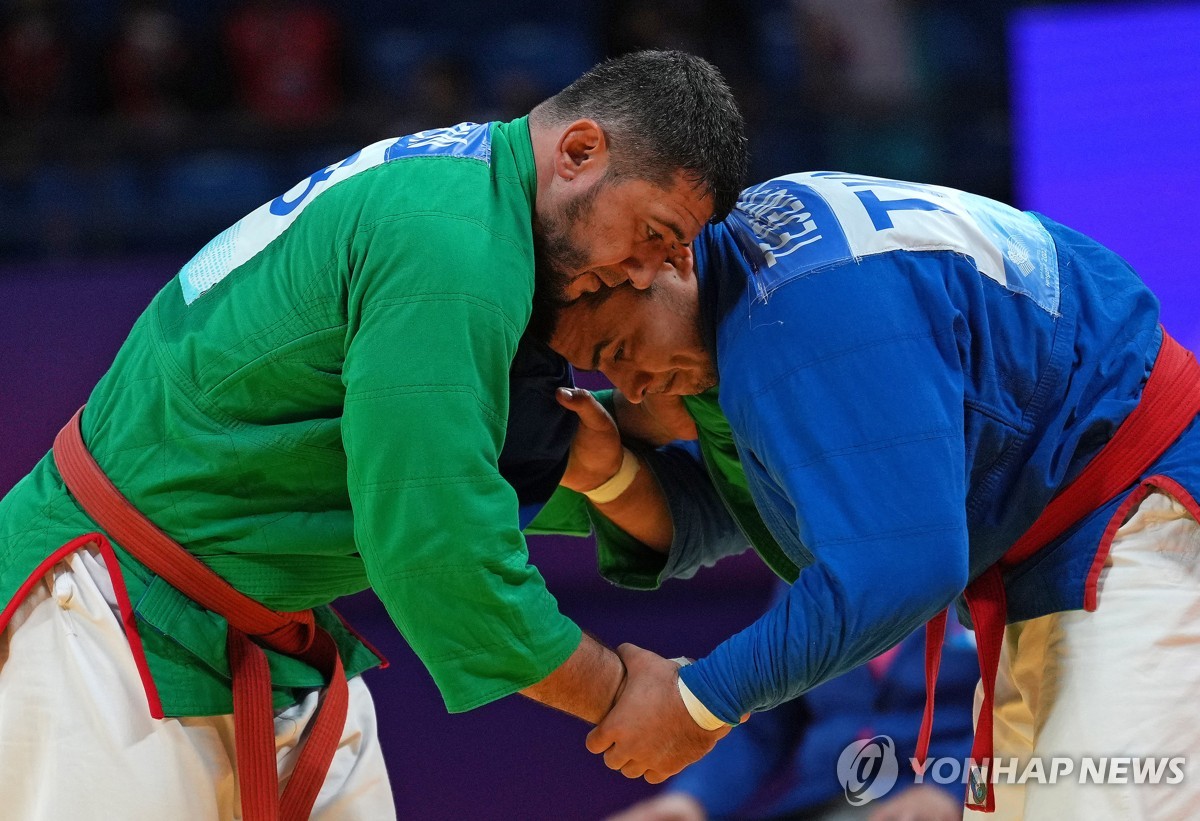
676,230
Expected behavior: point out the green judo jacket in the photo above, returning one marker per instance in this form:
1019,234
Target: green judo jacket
316,405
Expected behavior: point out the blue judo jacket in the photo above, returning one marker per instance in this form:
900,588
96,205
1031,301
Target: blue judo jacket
910,374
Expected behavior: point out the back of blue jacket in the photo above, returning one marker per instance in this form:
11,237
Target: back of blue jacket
911,373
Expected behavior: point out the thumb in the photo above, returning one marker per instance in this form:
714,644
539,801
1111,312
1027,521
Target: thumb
598,739
590,412
631,653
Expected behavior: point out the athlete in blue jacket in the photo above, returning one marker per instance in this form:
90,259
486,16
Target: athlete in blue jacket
911,374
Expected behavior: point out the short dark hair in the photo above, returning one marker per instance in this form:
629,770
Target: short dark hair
662,112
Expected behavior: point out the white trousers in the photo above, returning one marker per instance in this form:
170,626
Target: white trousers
1123,681
77,740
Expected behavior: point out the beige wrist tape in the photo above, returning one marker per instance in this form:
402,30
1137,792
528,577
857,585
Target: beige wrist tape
699,713
619,483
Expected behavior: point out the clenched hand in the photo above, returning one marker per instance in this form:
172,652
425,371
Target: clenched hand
649,732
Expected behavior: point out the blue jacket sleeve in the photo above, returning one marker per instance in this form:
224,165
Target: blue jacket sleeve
850,404
779,764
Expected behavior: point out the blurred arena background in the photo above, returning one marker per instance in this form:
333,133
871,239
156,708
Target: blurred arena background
130,133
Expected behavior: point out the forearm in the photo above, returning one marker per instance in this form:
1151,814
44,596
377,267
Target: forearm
613,478
585,685
671,503
641,511
703,531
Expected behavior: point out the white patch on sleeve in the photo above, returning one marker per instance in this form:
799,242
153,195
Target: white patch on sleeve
243,240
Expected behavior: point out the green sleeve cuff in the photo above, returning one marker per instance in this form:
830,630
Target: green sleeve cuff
605,398
544,653
565,514
621,559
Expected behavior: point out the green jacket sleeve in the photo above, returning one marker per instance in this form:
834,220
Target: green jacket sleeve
426,374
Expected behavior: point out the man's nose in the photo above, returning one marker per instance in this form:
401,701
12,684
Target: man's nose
633,384
644,267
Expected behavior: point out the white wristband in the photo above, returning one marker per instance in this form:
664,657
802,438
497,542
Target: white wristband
619,483
695,707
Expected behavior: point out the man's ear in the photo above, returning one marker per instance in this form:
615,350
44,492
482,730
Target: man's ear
582,148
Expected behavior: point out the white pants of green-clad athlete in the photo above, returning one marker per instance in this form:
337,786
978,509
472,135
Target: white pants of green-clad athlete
77,741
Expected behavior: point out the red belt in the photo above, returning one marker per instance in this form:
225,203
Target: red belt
294,634
1169,403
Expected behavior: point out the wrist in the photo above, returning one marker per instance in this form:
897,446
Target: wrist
700,714
618,483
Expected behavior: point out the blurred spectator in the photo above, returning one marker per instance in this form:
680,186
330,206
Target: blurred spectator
721,30
443,91
861,55
113,104
36,59
286,57
521,64
632,25
148,66
413,79
861,81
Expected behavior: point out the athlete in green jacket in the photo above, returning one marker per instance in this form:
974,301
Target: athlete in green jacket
316,404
